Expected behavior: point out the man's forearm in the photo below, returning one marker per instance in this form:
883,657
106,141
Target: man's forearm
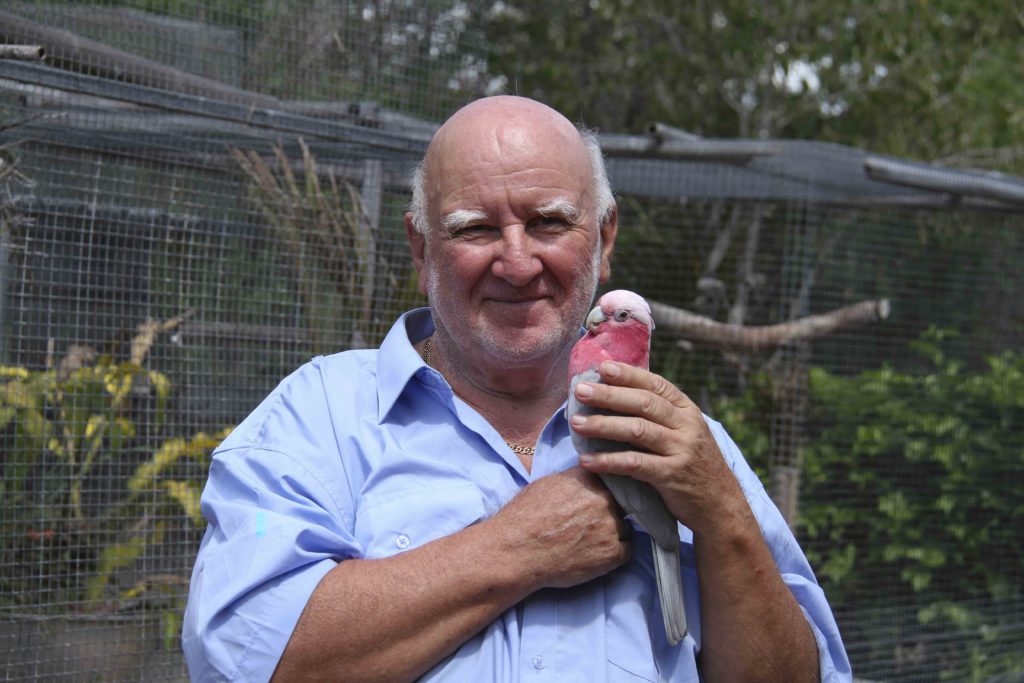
394,618
752,628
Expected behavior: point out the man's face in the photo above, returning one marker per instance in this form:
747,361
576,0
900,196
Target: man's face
514,253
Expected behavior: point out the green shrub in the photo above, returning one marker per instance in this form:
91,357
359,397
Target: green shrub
74,528
911,505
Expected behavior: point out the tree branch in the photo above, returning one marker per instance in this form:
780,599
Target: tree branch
740,338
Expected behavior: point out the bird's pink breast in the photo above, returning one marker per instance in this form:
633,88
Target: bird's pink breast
628,342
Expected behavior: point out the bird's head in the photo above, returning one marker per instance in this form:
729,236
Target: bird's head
620,307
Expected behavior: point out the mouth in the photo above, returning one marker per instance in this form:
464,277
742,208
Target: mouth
518,310
517,299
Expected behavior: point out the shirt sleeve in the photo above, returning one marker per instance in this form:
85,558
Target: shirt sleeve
793,565
278,522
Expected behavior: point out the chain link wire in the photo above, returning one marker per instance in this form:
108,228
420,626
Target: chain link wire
197,197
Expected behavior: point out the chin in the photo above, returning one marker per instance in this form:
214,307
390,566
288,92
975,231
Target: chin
524,345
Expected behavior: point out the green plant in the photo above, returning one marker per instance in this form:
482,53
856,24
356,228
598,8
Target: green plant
74,527
153,501
910,511
910,491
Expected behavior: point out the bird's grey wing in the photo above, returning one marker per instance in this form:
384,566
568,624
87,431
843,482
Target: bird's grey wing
643,501
645,504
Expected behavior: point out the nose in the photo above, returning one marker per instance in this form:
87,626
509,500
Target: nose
516,260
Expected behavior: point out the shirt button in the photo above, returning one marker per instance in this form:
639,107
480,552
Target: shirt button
538,662
402,541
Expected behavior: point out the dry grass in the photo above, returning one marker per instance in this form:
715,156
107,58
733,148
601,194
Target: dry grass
330,243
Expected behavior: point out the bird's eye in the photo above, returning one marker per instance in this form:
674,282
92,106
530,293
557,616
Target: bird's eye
621,315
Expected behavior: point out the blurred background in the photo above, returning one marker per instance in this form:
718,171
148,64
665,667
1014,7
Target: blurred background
825,203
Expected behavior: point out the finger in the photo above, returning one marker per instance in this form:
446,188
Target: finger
640,466
621,374
631,401
643,434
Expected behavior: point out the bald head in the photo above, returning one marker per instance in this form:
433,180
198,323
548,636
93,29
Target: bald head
490,124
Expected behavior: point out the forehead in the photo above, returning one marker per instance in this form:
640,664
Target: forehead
517,159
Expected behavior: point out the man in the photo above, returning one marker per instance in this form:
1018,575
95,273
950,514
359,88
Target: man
419,511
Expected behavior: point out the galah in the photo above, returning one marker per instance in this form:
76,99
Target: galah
619,328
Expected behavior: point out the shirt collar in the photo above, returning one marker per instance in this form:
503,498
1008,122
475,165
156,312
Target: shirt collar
398,360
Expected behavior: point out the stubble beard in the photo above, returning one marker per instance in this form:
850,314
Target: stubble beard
553,342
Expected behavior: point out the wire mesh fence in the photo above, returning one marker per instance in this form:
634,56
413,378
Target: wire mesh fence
194,206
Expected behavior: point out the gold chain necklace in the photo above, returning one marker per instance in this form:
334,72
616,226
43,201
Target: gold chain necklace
521,450
516,448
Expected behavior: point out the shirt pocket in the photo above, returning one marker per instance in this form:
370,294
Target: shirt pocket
635,641
630,604
411,518
618,674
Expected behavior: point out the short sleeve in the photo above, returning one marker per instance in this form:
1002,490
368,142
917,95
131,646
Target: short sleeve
274,531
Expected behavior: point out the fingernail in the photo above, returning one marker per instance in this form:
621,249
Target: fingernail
610,369
586,458
578,420
584,390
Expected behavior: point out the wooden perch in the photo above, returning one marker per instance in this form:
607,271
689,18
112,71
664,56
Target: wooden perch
751,339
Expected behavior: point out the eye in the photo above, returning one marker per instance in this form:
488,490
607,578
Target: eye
472,232
549,223
621,315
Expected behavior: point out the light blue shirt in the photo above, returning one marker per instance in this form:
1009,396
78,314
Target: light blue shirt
367,454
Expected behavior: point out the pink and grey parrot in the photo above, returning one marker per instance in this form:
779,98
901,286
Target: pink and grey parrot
619,328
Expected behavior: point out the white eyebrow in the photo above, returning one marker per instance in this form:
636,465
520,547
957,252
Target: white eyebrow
460,218
562,208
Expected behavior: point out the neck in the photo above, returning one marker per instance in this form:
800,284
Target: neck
517,400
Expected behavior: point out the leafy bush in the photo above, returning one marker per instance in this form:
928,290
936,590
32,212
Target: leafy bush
912,508
73,526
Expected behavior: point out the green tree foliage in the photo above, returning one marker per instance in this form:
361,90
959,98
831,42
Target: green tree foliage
910,491
927,80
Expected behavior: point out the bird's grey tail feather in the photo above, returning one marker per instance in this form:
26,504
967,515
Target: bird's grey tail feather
670,591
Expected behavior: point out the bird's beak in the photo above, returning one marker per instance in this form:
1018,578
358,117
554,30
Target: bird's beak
594,318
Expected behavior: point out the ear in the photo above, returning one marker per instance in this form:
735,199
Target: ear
417,247
609,229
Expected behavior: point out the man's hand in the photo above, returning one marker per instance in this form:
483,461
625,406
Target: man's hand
415,608
752,628
675,451
565,529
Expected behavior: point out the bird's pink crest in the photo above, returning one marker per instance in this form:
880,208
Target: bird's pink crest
623,299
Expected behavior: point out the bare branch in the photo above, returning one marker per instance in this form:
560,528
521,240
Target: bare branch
751,339
143,341
745,275
723,237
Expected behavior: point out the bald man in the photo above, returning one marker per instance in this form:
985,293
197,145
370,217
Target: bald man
418,511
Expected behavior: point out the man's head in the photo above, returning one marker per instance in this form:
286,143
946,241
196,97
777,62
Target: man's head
601,191
512,228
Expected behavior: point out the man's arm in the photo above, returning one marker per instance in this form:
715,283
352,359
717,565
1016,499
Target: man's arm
752,628
393,619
